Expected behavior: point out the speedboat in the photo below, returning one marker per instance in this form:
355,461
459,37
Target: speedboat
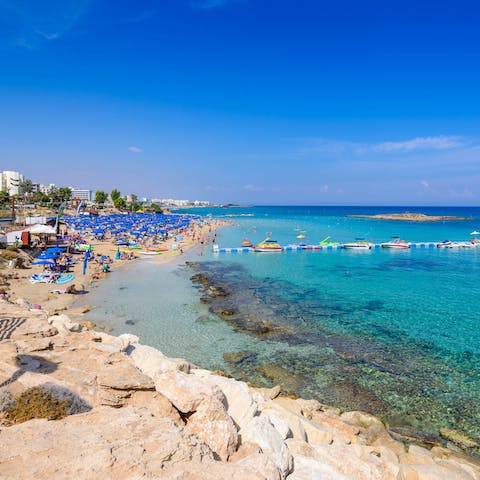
445,244
358,244
326,243
397,243
268,246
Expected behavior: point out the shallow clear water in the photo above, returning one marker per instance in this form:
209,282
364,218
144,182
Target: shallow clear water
392,332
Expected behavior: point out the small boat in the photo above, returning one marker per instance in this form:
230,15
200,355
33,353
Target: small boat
310,247
246,243
301,236
268,246
302,246
326,243
397,243
445,244
358,244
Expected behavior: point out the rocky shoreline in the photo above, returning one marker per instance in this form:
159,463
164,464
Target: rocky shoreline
132,412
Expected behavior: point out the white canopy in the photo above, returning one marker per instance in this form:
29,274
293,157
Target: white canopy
46,229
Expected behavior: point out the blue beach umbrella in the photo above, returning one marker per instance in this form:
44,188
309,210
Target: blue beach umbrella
43,262
55,250
46,255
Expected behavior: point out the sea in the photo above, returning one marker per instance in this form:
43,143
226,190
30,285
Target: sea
391,332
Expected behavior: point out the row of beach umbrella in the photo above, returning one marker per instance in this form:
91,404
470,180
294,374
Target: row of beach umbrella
137,225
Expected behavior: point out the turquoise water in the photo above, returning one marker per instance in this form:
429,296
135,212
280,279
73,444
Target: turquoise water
391,332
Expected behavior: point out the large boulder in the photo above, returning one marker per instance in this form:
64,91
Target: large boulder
151,361
261,431
212,425
185,391
117,381
64,324
155,403
240,402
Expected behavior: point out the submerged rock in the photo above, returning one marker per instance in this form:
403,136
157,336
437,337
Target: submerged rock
239,357
460,438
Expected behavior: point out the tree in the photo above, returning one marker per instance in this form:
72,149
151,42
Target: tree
26,187
39,197
101,197
156,208
120,203
59,195
4,198
115,195
64,194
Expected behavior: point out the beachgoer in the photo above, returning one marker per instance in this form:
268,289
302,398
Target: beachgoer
71,289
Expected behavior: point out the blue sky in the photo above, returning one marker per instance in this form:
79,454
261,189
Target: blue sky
252,101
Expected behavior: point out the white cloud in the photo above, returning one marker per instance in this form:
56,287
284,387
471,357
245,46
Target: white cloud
425,184
48,36
135,149
441,142
36,23
250,187
345,148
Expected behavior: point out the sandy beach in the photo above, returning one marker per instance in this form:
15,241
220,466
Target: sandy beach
45,295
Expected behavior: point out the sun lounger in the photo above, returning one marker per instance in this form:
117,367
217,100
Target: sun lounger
42,278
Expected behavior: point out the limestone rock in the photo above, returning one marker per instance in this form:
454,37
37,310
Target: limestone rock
104,443
255,467
341,431
279,422
361,419
87,324
300,426
307,468
128,339
240,403
290,404
123,376
299,447
155,403
151,361
34,345
267,393
435,472
417,456
186,392
261,431
63,324
212,425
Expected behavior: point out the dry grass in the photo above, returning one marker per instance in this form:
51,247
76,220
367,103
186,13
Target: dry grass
36,402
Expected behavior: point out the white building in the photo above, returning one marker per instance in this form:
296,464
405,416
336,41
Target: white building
11,182
46,189
81,194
